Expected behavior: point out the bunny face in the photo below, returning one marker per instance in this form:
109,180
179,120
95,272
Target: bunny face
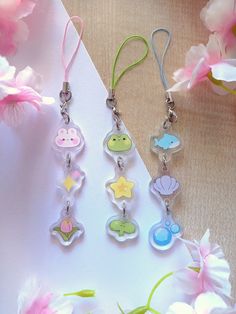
67,138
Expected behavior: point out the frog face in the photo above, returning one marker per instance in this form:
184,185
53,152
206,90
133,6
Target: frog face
119,143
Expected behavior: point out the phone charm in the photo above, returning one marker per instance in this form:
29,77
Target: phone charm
163,235
68,143
119,145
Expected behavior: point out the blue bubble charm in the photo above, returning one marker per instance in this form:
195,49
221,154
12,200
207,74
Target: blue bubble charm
163,235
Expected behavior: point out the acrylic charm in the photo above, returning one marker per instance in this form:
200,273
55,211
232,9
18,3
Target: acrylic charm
122,228
68,139
118,143
67,229
165,186
163,235
166,143
121,190
72,180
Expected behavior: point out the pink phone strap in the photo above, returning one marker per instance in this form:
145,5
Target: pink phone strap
67,66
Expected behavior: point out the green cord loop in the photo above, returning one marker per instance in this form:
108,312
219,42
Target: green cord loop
115,80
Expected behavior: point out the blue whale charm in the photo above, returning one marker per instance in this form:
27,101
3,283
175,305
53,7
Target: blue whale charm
167,141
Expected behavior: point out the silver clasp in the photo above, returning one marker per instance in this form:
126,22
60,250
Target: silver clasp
111,103
65,97
171,116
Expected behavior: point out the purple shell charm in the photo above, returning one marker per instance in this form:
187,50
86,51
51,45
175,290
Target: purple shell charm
166,185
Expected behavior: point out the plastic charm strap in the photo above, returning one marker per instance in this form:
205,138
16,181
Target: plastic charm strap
119,145
164,234
67,66
68,143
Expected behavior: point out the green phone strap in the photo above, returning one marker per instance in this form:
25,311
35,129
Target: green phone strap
115,79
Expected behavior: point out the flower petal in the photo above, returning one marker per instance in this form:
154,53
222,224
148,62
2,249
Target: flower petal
21,33
224,72
6,89
61,305
179,86
206,302
224,311
199,73
7,72
194,54
180,308
188,281
25,8
28,77
215,14
12,114
217,272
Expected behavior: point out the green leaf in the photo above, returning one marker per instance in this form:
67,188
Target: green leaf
120,308
139,310
82,293
196,269
68,235
122,227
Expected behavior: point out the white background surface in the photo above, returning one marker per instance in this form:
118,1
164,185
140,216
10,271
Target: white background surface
29,202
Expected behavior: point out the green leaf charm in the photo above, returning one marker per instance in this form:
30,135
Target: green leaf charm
122,227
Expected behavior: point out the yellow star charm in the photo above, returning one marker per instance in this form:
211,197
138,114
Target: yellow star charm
122,188
69,183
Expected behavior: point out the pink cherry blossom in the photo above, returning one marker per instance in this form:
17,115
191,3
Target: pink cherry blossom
35,299
209,271
12,29
220,16
205,63
18,92
207,303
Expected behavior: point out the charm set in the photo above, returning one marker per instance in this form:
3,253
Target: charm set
163,234
120,147
68,143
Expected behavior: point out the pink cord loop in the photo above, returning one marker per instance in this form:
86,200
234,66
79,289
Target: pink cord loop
67,66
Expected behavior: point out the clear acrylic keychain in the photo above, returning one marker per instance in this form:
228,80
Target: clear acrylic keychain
119,145
164,234
68,142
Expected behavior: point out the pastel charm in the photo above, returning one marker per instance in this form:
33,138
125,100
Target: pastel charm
163,235
119,143
67,138
122,188
67,229
121,228
167,141
73,179
165,185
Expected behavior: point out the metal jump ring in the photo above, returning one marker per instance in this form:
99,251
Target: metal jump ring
65,96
